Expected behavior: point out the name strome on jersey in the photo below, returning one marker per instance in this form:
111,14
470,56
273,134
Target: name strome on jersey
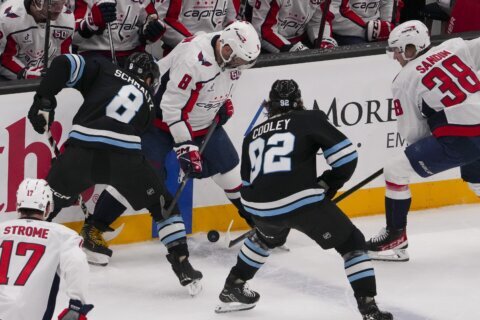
22,39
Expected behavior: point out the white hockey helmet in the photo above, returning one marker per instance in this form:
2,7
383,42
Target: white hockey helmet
35,194
412,32
244,42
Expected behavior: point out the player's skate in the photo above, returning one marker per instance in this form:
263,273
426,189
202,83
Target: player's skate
187,276
369,310
236,297
94,245
389,245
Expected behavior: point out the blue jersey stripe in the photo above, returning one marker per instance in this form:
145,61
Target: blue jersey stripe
75,67
113,142
285,209
344,160
336,147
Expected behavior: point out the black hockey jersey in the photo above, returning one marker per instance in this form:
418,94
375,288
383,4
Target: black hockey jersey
279,162
117,107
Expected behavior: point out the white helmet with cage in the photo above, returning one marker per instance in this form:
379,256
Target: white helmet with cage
35,194
244,42
412,32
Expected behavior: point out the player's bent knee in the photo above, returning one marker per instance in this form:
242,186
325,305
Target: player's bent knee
398,170
269,242
355,242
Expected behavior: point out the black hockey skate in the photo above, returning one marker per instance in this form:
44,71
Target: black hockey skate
187,276
94,245
389,245
369,310
236,297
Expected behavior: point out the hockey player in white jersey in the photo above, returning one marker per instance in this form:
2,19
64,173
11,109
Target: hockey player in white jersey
436,97
22,36
360,21
289,25
185,18
133,24
197,81
34,255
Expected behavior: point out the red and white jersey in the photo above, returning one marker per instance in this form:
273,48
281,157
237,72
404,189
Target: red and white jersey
185,18
32,253
131,15
444,79
284,22
351,16
193,87
22,40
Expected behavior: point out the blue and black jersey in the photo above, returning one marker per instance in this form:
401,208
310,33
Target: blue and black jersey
117,107
279,162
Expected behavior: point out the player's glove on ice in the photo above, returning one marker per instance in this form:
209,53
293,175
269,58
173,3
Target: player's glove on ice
75,311
42,113
224,113
189,158
153,29
103,12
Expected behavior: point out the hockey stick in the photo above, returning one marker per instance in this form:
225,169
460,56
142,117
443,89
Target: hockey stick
321,29
47,36
54,146
241,10
166,214
110,40
336,200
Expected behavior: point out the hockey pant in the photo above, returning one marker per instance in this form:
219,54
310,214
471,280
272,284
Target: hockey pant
79,168
425,158
324,223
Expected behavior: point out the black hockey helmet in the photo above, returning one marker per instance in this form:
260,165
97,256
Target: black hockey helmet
284,96
143,65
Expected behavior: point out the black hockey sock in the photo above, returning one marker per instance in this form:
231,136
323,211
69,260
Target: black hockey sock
250,259
396,212
106,211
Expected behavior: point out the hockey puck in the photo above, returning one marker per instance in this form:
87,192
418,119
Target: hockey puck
213,235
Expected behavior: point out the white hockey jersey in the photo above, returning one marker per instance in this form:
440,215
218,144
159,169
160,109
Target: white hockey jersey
185,18
32,253
351,16
284,22
131,15
444,79
193,87
22,40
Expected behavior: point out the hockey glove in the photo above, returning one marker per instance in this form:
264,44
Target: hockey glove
224,113
153,29
328,43
103,12
325,182
75,311
299,46
189,158
378,30
30,73
42,113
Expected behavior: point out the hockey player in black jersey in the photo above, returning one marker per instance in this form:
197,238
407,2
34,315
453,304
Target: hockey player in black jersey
103,146
281,189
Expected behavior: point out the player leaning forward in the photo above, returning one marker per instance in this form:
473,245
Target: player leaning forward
437,104
35,254
282,191
198,79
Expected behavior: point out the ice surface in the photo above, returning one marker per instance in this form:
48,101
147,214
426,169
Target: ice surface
441,280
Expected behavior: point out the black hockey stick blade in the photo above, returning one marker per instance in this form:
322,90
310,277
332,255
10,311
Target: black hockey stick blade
315,105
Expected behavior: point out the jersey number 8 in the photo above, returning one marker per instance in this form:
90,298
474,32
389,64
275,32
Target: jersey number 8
275,158
125,104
